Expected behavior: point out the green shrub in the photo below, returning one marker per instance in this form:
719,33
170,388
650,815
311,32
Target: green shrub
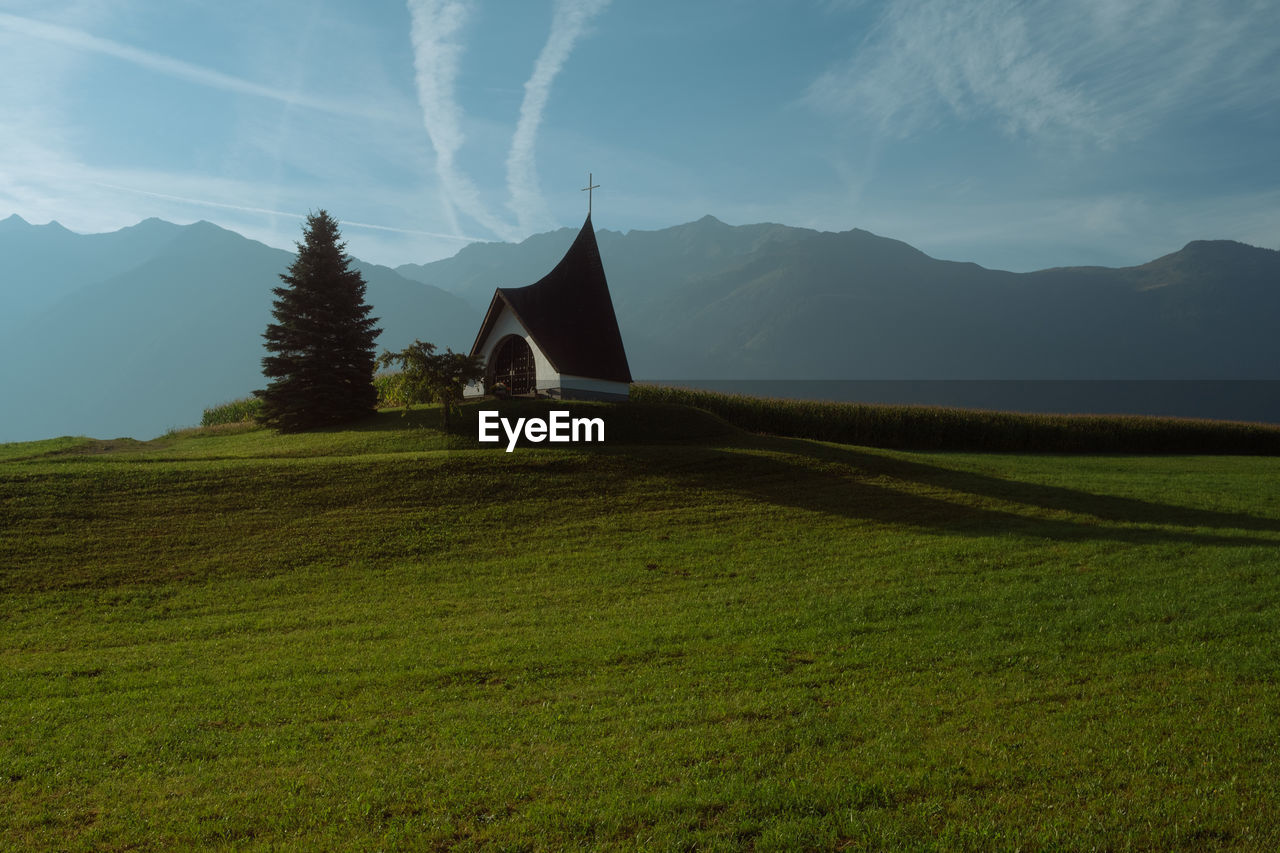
244,410
938,428
391,390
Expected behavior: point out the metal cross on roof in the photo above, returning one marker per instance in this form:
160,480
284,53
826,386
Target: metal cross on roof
587,189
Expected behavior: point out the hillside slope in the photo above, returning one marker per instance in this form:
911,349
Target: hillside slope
355,639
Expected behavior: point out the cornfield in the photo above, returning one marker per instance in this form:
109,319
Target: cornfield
244,410
938,428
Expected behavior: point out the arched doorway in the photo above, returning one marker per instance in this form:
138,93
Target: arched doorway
512,362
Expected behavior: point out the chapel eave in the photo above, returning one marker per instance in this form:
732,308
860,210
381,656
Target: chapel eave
568,313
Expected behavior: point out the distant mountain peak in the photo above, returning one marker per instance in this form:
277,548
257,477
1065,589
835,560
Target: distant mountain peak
1222,246
14,222
150,225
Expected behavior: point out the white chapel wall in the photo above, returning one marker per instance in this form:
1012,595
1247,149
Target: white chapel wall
507,324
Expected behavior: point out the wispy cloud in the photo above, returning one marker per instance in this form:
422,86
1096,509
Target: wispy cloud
436,33
241,208
436,28
1106,71
79,40
51,165
568,23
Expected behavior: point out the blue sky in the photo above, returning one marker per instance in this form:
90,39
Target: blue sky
1019,135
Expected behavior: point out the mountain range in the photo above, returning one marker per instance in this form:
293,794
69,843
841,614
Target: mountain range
706,299
136,331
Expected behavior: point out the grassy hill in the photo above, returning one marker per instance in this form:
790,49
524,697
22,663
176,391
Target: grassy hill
691,636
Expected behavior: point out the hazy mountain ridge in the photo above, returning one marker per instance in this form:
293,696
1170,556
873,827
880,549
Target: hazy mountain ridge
171,325
853,305
706,299
136,331
639,264
62,261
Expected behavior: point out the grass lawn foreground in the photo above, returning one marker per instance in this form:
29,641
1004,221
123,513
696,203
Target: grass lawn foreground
688,637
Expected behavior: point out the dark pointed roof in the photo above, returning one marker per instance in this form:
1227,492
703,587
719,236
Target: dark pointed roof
569,314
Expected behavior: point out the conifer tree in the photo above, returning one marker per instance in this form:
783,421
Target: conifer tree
322,343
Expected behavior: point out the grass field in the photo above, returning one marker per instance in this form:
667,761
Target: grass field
687,638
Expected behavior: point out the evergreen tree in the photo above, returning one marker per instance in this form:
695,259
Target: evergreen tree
322,343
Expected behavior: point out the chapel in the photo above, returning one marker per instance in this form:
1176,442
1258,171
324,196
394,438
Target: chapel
557,337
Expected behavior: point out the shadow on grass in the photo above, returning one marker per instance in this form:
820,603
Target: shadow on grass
836,480
703,452
839,484
1105,507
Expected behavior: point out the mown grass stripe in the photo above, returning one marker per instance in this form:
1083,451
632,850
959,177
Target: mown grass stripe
340,640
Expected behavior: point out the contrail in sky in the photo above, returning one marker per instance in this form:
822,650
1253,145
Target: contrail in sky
177,68
437,50
568,22
200,202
